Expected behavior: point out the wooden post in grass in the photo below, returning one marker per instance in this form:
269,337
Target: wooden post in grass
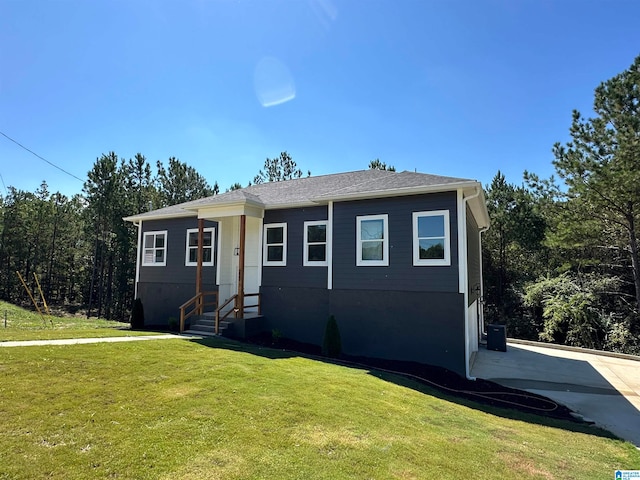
35,304
44,301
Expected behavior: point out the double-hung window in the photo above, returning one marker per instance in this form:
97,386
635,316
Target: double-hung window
315,243
431,241
191,255
275,245
155,249
372,240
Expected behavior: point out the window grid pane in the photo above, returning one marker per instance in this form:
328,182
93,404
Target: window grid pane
372,250
431,249
193,239
274,235
431,226
274,253
317,233
317,253
372,229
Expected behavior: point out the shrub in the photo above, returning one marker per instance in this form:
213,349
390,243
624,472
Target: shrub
137,315
173,324
332,344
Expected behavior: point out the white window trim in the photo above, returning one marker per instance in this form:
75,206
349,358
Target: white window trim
187,263
385,242
315,263
154,233
432,262
265,245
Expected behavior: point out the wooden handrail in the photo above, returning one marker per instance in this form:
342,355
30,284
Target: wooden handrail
235,308
259,295
233,298
198,303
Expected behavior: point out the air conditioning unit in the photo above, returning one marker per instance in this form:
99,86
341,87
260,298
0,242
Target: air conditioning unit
497,337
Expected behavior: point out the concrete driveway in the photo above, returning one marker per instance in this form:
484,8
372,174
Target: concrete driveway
603,389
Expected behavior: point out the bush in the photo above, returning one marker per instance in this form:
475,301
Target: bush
332,344
137,315
173,324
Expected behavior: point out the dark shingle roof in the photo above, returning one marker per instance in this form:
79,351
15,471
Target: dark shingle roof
311,190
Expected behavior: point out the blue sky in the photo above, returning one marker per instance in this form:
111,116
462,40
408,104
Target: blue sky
452,87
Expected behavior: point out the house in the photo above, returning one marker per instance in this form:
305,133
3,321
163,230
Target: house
394,256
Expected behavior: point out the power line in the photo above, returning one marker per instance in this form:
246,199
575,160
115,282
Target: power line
5,187
41,158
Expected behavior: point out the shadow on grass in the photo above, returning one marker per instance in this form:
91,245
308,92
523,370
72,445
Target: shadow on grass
481,395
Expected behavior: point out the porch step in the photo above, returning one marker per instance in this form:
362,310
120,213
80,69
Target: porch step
206,325
199,332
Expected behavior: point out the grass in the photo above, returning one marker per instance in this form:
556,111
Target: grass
178,409
23,324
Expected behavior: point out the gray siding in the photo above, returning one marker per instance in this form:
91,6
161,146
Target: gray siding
424,327
163,289
400,274
473,257
294,273
175,270
162,301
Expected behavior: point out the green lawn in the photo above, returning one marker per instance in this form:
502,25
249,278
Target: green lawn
214,409
27,325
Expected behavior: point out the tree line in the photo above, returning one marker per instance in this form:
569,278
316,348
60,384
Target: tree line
81,250
560,260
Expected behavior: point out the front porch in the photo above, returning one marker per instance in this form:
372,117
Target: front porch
235,308
225,320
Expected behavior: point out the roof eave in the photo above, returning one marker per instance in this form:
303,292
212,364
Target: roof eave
161,216
235,203
398,192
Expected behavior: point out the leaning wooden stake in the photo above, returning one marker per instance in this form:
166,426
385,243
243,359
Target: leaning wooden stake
44,301
31,296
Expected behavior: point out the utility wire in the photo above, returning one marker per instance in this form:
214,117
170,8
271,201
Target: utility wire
5,187
41,158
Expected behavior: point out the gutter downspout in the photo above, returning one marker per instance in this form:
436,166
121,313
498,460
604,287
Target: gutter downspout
463,207
135,287
480,232
330,245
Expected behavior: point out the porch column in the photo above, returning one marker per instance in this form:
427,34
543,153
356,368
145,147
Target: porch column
243,228
200,255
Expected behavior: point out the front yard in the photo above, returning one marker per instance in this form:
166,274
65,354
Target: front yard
179,409
24,324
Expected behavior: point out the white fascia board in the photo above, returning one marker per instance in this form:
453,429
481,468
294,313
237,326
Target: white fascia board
162,216
282,206
231,210
462,243
398,192
478,207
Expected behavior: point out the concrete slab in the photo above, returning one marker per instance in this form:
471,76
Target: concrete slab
601,388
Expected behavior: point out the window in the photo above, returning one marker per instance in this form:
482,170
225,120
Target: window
315,243
431,238
155,249
372,240
275,245
191,258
